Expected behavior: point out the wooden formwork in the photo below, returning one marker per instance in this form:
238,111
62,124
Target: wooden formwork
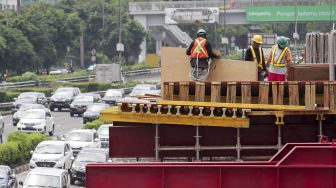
310,94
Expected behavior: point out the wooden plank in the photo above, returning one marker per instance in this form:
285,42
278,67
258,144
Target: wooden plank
332,94
171,91
184,91
246,92
275,92
166,91
312,95
293,93
263,92
280,93
215,91
231,92
199,91
176,67
307,96
326,94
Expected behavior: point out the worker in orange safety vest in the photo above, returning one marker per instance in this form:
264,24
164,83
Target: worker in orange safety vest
280,58
200,51
256,54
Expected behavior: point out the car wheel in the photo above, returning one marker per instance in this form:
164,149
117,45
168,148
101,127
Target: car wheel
72,181
52,109
51,133
59,109
71,114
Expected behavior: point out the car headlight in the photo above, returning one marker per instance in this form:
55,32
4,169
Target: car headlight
34,159
52,99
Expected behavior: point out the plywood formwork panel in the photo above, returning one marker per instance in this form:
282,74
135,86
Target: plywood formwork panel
175,67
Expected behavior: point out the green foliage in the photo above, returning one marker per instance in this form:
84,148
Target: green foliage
138,66
235,55
8,95
17,150
28,76
95,124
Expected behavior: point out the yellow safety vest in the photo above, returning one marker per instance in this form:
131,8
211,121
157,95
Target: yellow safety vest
255,57
279,60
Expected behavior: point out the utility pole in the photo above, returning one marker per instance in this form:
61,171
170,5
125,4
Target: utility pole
81,41
120,46
103,12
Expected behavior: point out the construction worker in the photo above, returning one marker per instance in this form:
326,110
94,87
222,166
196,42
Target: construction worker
256,54
200,51
279,59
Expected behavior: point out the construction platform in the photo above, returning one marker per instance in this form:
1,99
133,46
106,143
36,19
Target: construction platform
236,120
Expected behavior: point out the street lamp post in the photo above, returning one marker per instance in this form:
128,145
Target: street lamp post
120,46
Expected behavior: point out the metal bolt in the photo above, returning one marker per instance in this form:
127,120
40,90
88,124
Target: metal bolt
190,111
201,111
178,110
234,113
169,110
212,111
224,111
133,108
159,109
148,108
141,108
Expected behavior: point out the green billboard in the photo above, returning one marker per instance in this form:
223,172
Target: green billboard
288,13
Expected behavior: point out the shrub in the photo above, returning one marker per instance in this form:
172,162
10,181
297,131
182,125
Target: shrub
138,66
95,124
28,76
10,153
18,148
9,95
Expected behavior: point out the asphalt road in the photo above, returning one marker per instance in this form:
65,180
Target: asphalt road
63,122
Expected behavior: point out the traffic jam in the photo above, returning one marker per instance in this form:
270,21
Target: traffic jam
61,160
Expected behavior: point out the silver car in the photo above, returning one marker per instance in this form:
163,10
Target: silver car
53,154
19,114
47,177
103,135
93,112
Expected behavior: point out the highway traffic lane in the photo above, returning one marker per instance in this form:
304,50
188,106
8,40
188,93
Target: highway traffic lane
22,176
63,123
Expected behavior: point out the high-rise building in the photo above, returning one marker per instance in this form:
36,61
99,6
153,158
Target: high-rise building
9,4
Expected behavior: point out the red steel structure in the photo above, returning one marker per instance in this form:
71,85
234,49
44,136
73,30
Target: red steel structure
308,165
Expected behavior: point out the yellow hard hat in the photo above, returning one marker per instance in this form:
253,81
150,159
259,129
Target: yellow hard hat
257,39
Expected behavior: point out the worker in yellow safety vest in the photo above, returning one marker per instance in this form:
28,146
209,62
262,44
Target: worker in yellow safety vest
256,54
279,60
200,51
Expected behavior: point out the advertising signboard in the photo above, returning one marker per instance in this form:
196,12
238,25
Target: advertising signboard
290,13
190,15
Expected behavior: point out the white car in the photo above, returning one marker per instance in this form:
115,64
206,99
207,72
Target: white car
37,120
47,177
112,96
143,89
52,154
103,135
81,138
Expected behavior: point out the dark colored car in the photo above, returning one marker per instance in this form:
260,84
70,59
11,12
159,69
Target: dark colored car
63,97
81,103
85,156
93,112
19,114
7,177
29,98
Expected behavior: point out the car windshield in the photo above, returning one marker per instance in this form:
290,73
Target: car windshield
3,174
91,157
96,108
33,115
28,107
49,149
63,92
144,87
27,98
39,180
84,98
80,137
103,130
113,93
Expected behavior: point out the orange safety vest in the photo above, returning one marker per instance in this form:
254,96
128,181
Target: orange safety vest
199,50
255,57
280,62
